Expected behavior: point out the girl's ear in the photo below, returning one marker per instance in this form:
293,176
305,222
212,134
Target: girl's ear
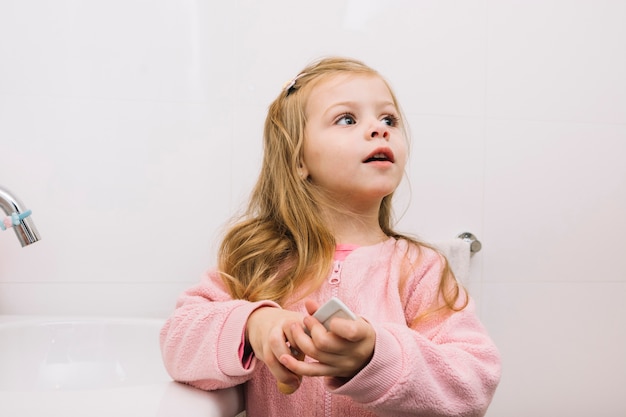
303,172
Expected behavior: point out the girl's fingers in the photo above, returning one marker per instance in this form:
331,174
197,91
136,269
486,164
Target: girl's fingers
287,381
311,306
307,368
322,346
287,388
343,351
290,383
267,332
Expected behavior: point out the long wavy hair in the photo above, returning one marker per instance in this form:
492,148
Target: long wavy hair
282,245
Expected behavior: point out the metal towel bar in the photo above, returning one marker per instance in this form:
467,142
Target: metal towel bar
475,245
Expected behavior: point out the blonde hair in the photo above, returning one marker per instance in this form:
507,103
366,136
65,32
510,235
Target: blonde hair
282,244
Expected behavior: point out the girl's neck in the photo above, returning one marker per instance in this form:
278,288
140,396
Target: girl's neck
353,222
361,239
356,229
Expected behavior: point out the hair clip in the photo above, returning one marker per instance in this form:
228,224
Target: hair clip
14,219
289,86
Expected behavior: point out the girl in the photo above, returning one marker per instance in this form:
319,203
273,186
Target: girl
318,225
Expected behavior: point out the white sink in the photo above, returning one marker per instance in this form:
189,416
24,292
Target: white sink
95,367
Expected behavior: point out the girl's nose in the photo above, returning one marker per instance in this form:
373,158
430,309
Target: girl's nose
379,130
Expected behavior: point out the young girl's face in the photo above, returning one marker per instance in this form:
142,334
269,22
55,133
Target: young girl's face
354,146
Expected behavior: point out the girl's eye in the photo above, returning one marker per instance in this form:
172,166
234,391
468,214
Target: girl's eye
391,120
346,119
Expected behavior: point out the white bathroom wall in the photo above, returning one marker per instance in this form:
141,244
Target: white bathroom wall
132,130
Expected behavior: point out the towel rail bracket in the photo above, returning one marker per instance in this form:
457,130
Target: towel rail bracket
475,245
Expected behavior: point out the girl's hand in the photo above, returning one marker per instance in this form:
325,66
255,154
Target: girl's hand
267,332
341,352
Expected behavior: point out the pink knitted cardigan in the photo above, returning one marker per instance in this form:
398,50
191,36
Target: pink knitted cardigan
442,366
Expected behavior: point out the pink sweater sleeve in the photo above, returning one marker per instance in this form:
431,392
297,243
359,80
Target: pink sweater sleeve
201,341
447,366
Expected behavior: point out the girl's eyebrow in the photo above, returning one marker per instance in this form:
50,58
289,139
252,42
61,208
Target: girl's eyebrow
349,103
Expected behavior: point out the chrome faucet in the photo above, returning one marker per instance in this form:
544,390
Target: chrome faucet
18,218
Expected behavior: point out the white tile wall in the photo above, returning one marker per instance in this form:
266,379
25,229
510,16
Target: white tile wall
557,60
561,190
562,346
133,129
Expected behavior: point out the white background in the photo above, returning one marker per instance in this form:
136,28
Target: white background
132,129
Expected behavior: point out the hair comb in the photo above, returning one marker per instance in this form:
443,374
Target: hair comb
289,87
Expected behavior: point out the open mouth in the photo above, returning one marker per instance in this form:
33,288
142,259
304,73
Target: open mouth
384,155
